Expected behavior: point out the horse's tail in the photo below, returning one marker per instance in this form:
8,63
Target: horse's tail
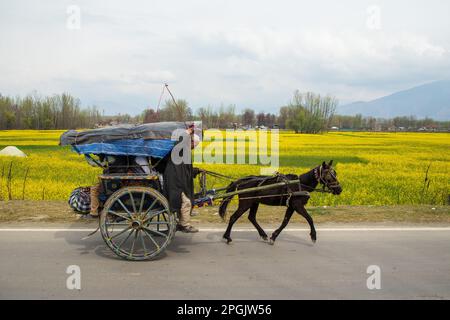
224,204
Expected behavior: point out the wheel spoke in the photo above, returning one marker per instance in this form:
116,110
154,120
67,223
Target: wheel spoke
123,206
143,242
153,215
134,241
119,214
150,208
157,222
132,202
142,203
117,224
151,238
124,240
155,232
121,232
158,218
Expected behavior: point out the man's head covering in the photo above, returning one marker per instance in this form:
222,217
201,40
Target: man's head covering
195,140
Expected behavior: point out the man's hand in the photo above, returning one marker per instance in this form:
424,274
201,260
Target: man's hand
196,171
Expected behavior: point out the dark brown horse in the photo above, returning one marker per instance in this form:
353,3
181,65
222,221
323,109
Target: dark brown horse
286,195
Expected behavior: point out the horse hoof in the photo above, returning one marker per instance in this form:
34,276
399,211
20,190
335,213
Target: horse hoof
271,242
264,239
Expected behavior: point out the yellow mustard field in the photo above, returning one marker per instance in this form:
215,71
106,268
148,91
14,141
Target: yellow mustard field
373,168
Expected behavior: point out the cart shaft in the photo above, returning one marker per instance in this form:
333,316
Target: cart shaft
247,190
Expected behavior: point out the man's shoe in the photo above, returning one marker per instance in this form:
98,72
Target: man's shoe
187,229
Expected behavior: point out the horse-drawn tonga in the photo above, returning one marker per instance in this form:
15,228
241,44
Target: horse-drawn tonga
136,221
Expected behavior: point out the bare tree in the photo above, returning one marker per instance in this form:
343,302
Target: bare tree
310,112
150,115
178,111
248,117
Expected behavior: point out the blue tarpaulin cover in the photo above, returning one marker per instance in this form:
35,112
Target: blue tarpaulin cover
148,140
130,147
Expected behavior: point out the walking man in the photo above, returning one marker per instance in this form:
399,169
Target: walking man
179,182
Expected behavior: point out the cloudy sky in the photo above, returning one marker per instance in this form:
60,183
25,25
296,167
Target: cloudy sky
251,53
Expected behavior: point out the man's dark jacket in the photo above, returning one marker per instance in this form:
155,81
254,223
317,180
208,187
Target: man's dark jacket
178,178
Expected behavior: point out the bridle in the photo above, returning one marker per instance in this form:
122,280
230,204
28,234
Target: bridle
320,174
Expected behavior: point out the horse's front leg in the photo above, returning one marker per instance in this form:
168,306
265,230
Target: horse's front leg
287,217
300,208
252,218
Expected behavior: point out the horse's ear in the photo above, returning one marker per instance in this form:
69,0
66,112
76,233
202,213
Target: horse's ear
331,163
324,165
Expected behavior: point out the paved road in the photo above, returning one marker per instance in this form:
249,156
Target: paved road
414,263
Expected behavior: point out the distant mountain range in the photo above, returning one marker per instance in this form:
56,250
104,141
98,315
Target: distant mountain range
428,100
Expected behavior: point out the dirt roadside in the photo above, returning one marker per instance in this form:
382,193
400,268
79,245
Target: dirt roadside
18,211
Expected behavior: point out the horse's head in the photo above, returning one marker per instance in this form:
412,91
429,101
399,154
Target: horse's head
327,176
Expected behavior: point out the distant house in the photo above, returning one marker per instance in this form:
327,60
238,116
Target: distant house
334,128
106,123
392,128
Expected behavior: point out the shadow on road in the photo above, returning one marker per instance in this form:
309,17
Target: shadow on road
181,243
93,244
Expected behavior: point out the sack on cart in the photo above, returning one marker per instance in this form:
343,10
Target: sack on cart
80,200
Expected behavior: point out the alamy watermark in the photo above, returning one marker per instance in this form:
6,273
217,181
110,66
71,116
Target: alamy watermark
73,21
374,280
373,21
73,281
253,147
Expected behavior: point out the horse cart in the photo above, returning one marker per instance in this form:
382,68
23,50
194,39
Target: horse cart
136,221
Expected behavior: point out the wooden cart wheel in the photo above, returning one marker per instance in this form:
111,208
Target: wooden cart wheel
136,223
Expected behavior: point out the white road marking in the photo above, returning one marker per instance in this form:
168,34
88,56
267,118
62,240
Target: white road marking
345,229
244,229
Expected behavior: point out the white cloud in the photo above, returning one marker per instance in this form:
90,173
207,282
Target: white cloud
252,53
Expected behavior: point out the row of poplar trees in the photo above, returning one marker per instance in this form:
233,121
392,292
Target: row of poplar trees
61,111
306,113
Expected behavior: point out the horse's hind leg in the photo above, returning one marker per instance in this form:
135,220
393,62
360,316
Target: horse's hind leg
300,208
287,217
252,218
236,215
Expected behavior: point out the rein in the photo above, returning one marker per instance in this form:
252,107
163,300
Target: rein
218,175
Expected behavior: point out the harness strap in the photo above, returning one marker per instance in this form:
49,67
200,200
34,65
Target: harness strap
288,188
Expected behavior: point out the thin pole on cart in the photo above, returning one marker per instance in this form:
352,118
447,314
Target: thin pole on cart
247,190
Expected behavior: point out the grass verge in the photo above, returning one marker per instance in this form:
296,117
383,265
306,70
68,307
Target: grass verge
58,211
